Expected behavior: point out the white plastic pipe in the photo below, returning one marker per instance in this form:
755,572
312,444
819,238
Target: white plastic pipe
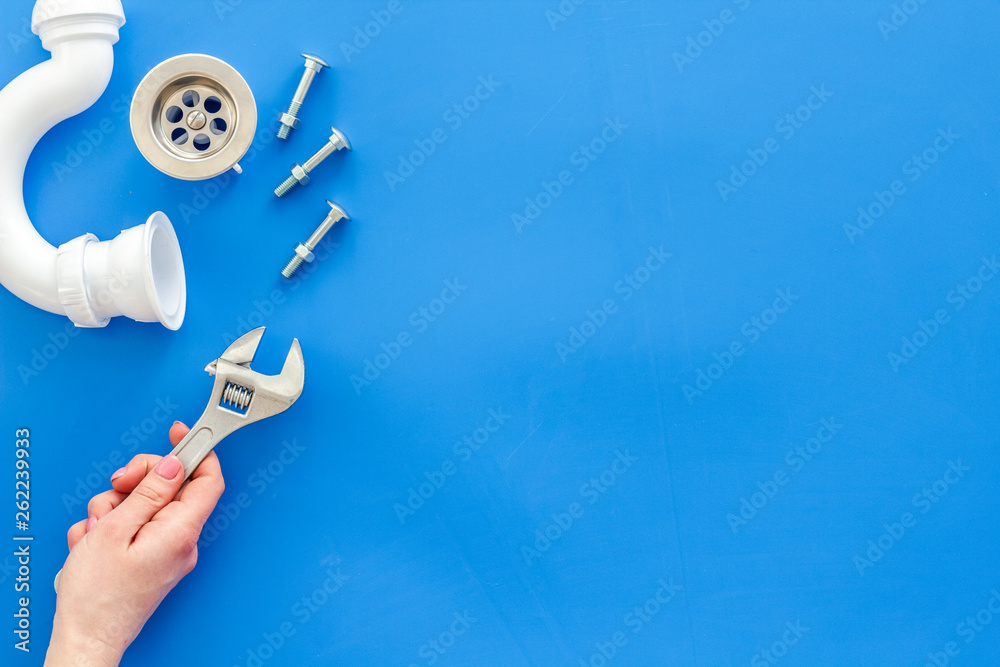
140,274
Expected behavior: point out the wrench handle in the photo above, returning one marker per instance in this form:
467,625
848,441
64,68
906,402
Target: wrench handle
195,446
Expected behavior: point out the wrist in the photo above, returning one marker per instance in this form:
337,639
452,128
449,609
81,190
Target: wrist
75,649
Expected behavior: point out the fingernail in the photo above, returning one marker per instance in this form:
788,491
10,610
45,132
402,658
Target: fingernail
175,424
118,473
90,523
168,467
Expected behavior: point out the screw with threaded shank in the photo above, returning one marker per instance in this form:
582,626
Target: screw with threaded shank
290,119
300,173
304,252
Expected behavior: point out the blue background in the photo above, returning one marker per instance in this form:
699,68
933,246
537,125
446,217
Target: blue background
666,517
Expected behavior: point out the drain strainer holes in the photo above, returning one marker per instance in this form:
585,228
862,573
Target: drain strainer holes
198,119
193,117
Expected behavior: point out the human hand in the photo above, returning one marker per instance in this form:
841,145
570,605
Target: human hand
138,541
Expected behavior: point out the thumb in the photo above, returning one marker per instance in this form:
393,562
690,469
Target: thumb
154,492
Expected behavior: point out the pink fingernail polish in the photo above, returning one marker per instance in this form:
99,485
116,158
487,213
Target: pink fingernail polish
118,473
168,467
91,522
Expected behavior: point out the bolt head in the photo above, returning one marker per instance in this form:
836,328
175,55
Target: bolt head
300,174
290,120
196,120
304,253
336,212
314,62
339,139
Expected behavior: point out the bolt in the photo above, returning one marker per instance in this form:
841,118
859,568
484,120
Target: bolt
290,120
304,251
197,120
300,173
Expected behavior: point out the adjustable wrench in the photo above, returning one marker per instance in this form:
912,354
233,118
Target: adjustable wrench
241,396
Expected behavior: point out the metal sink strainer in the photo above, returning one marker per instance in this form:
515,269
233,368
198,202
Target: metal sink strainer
193,117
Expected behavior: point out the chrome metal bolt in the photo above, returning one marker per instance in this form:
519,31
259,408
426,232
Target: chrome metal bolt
300,172
290,119
304,251
196,120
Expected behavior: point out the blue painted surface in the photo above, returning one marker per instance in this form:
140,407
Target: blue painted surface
763,535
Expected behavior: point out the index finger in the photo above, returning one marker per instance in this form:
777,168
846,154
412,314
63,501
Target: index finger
128,477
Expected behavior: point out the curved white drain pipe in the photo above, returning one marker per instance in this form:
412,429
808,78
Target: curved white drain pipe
140,274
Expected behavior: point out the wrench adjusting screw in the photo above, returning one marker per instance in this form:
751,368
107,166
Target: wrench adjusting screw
300,173
290,119
304,252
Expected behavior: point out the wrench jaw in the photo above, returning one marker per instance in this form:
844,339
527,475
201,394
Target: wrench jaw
241,352
245,395
292,379
273,394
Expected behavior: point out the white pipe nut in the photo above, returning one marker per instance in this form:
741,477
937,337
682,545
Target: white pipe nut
75,12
